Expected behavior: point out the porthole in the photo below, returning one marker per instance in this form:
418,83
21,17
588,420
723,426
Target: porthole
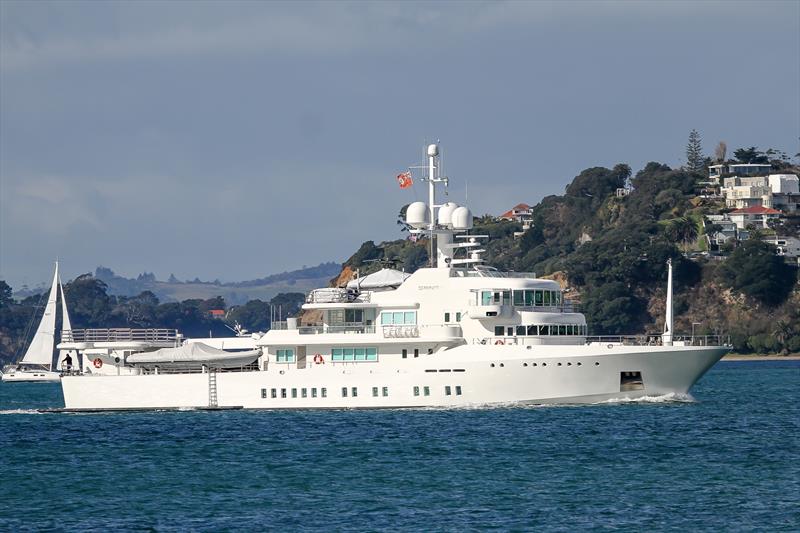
569,364
544,364
596,363
492,365
578,364
559,364
524,364
534,364
501,364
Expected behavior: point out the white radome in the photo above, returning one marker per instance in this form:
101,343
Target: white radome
462,218
418,215
446,214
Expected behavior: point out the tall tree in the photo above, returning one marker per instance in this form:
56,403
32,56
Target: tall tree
694,153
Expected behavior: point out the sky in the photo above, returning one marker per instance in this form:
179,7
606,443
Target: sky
233,140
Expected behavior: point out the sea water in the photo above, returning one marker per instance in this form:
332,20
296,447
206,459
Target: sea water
726,459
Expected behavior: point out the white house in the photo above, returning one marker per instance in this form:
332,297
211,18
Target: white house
758,216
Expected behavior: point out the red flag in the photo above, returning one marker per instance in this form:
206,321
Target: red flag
405,180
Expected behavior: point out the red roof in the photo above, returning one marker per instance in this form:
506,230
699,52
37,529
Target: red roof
755,210
518,207
216,312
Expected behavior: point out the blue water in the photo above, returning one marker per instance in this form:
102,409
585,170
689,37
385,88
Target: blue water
728,461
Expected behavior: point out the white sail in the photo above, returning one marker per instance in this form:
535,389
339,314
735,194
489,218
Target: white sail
66,326
40,351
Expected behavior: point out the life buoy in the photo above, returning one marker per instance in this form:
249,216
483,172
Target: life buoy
97,363
318,360
499,341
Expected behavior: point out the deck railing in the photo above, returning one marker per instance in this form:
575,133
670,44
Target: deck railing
119,334
611,340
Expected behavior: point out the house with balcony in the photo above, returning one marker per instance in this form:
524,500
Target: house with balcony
521,213
757,216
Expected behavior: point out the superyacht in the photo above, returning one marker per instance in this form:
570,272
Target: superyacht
457,333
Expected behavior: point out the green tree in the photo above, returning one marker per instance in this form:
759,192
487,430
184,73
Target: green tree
755,270
750,155
694,153
6,297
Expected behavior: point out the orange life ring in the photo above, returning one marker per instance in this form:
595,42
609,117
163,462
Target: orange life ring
318,359
97,363
499,341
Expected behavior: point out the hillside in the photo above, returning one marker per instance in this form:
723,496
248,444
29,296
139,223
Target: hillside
234,293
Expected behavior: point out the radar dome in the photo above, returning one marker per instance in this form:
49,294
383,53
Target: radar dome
462,218
433,149
446,214
417,215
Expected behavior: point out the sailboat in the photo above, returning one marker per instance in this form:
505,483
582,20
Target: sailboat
37,363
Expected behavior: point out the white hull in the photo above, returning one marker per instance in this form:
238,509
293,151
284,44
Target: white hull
562,374
40,376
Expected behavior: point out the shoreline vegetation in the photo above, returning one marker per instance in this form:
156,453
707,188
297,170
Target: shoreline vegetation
761,357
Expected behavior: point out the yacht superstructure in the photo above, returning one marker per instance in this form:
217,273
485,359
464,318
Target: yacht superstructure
454,334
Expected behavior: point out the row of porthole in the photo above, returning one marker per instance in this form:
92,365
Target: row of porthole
492,365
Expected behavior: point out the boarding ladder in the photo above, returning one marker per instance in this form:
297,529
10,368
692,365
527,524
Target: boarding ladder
212,387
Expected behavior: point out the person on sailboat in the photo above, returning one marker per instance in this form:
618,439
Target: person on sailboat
68,363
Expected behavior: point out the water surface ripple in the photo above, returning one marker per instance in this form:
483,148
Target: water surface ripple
729,460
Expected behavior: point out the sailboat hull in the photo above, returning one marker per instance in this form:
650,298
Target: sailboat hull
31,376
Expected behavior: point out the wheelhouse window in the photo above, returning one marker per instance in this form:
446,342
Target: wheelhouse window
499,330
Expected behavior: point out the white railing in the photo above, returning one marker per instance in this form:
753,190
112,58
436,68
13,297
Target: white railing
119,334
626,340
